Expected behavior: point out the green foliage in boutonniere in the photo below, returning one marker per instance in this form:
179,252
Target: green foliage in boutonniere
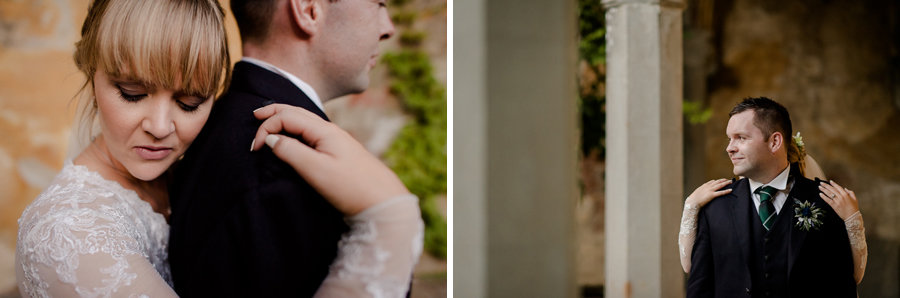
808,215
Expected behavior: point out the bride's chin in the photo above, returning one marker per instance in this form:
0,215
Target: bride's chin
149,172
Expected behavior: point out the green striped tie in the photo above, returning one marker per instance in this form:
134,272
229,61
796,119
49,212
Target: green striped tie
766,208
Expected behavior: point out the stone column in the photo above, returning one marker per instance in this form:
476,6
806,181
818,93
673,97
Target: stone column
515,141
469,192
644,148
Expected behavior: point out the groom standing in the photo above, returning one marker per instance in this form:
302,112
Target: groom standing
748,243
244,224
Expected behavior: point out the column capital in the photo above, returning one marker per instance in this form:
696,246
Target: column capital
677,4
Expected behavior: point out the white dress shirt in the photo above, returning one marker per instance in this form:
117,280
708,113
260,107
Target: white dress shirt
780,183
306,88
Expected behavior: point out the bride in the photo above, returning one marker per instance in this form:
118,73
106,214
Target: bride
153,69
844,204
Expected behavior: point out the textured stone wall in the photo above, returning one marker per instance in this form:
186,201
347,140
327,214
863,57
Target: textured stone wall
37,81
834,65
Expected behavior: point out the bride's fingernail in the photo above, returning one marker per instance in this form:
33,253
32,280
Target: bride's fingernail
271,140
251,145
257,109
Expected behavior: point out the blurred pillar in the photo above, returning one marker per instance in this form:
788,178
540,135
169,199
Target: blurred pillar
644,148
515,141
469,126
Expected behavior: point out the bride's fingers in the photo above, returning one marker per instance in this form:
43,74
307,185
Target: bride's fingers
293,120
722,192
852,195
272,109
828,200
271,125
841,191
300,156
828,190
722,182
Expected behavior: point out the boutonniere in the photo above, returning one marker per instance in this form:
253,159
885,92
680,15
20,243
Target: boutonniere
808,215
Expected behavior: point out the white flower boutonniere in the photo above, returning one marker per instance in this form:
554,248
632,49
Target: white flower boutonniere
799,141
808,215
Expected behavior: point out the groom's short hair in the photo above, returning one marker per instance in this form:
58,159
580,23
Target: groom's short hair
253,18
769,116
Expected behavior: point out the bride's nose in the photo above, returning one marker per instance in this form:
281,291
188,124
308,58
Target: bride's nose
158,121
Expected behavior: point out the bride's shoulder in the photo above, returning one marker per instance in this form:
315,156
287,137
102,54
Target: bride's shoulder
75,190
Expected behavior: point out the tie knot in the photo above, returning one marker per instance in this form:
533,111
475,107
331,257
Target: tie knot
766,192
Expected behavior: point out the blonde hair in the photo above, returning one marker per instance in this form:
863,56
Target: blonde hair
796,155
160,43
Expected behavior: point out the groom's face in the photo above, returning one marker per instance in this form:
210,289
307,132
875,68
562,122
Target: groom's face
747,146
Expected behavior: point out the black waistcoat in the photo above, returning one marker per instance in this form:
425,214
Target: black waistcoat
769,253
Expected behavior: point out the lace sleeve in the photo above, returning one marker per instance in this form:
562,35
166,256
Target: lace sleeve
857,234
376,258
687,234
79,251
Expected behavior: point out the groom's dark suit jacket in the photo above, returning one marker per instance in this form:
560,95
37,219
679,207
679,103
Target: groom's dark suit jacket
734,256
245,224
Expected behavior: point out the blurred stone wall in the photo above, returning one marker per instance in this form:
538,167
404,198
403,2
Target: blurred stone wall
37,81
834,65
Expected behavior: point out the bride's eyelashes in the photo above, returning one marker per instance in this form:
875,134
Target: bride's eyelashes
190,103
130,95
187,103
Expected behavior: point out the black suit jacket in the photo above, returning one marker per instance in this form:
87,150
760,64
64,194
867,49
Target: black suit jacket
820,262
245,224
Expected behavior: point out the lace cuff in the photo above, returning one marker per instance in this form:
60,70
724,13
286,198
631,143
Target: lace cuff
376,258
687,234
856,231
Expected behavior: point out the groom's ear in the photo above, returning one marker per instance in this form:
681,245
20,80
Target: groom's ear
307,15
776,141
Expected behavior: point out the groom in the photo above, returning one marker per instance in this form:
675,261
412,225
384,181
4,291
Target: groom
244,223
748,244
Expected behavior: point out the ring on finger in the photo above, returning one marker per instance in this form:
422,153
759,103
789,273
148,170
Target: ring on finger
833,195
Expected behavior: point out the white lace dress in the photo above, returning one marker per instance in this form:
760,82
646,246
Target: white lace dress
86,236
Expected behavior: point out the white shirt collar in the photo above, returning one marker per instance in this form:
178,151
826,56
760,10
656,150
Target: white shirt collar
306,88
780,181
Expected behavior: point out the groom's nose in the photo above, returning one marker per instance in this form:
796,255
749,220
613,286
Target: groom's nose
730,148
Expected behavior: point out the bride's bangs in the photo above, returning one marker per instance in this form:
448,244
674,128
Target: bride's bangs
178,45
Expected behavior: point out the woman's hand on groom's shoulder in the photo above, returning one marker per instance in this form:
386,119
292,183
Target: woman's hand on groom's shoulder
708,191
335,164
841,199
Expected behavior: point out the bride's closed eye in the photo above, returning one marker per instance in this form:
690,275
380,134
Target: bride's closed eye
190,103
131,92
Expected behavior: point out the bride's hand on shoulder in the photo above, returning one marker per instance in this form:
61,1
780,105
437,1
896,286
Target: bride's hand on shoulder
335,164
707,192
841,199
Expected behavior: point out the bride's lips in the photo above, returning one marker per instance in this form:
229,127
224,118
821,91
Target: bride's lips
153,152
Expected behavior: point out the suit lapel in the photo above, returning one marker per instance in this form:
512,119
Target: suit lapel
248,77
741,216
797,235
